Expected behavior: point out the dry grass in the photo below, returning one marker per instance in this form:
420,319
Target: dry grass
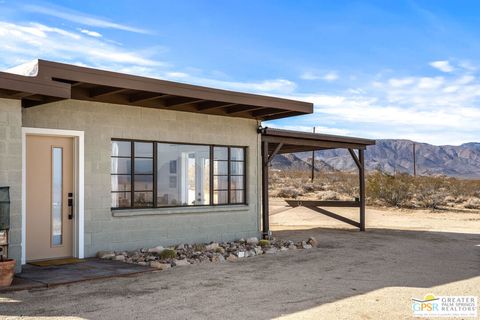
400,190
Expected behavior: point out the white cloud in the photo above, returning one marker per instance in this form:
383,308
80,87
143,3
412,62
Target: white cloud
91,33
80,18
430,83
25,42
330,76
311,75
442,65
401,82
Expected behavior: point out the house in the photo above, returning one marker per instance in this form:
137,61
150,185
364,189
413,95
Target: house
98,160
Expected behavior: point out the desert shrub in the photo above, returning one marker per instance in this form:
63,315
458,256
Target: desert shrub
168,254
289,193
263,243
398,190
329,195
393,190
430,192
472,203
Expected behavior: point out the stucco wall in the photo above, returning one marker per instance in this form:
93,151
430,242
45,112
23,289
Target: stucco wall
134,229
11,169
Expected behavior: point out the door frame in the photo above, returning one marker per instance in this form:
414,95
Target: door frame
78,185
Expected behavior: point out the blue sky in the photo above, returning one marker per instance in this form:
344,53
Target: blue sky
377,69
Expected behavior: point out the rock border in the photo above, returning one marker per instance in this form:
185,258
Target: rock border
186,254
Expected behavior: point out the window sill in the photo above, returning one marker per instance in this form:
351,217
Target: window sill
166,211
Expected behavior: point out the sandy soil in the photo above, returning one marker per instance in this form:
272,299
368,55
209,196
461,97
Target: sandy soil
351,275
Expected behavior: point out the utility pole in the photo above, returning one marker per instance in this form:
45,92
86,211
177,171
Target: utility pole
414,160
313,161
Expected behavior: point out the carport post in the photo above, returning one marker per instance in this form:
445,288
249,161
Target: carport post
265,216
361,171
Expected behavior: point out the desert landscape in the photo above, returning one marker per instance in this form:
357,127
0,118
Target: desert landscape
405,253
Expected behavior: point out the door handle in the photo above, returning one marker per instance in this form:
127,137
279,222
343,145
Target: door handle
70,205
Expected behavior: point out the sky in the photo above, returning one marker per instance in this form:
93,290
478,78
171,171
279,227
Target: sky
373,69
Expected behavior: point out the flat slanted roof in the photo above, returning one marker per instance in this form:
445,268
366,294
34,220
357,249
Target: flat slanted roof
287,141
57,81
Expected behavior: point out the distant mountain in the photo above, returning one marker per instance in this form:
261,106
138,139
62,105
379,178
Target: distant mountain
397,156
292,161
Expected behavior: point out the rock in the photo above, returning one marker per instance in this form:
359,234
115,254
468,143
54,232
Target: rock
212,246
150,258
241,254
218,258
159,265
231,258
283,248
307,246
181,246
252,253
252,241
313,242
181,263
157,249
271,250
120,257
292,246
258,250
241,240
105,254
142,263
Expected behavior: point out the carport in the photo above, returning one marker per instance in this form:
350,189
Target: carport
278,141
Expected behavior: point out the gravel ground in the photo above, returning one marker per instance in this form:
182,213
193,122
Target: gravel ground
351,275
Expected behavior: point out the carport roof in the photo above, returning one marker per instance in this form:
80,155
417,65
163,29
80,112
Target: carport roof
52,81
288,141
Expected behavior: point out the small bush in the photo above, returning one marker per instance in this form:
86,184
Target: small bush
263,243
168,254
289,193
472,203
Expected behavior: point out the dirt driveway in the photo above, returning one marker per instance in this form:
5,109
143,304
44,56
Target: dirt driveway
351,275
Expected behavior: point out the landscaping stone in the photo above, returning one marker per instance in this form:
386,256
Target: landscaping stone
186,254
211,246
231,258
120,257
157,249
218,258
105,254
313,242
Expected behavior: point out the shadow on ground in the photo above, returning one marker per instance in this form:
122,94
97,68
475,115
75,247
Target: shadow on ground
346,265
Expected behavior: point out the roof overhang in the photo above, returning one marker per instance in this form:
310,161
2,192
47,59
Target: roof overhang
57,81
288,141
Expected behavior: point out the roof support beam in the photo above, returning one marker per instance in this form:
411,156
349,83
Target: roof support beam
208,105
146,96
274,153
104,91
181,101
240,108
266,112
355,158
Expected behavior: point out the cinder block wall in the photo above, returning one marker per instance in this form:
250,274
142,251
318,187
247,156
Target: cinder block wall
102,122
11,169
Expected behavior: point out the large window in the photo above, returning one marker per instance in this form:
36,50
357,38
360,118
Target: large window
154,174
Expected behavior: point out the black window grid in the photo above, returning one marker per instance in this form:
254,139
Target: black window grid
153,192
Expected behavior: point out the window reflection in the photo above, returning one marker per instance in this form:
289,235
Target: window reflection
183,173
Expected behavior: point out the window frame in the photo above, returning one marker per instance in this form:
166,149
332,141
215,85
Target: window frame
155,174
